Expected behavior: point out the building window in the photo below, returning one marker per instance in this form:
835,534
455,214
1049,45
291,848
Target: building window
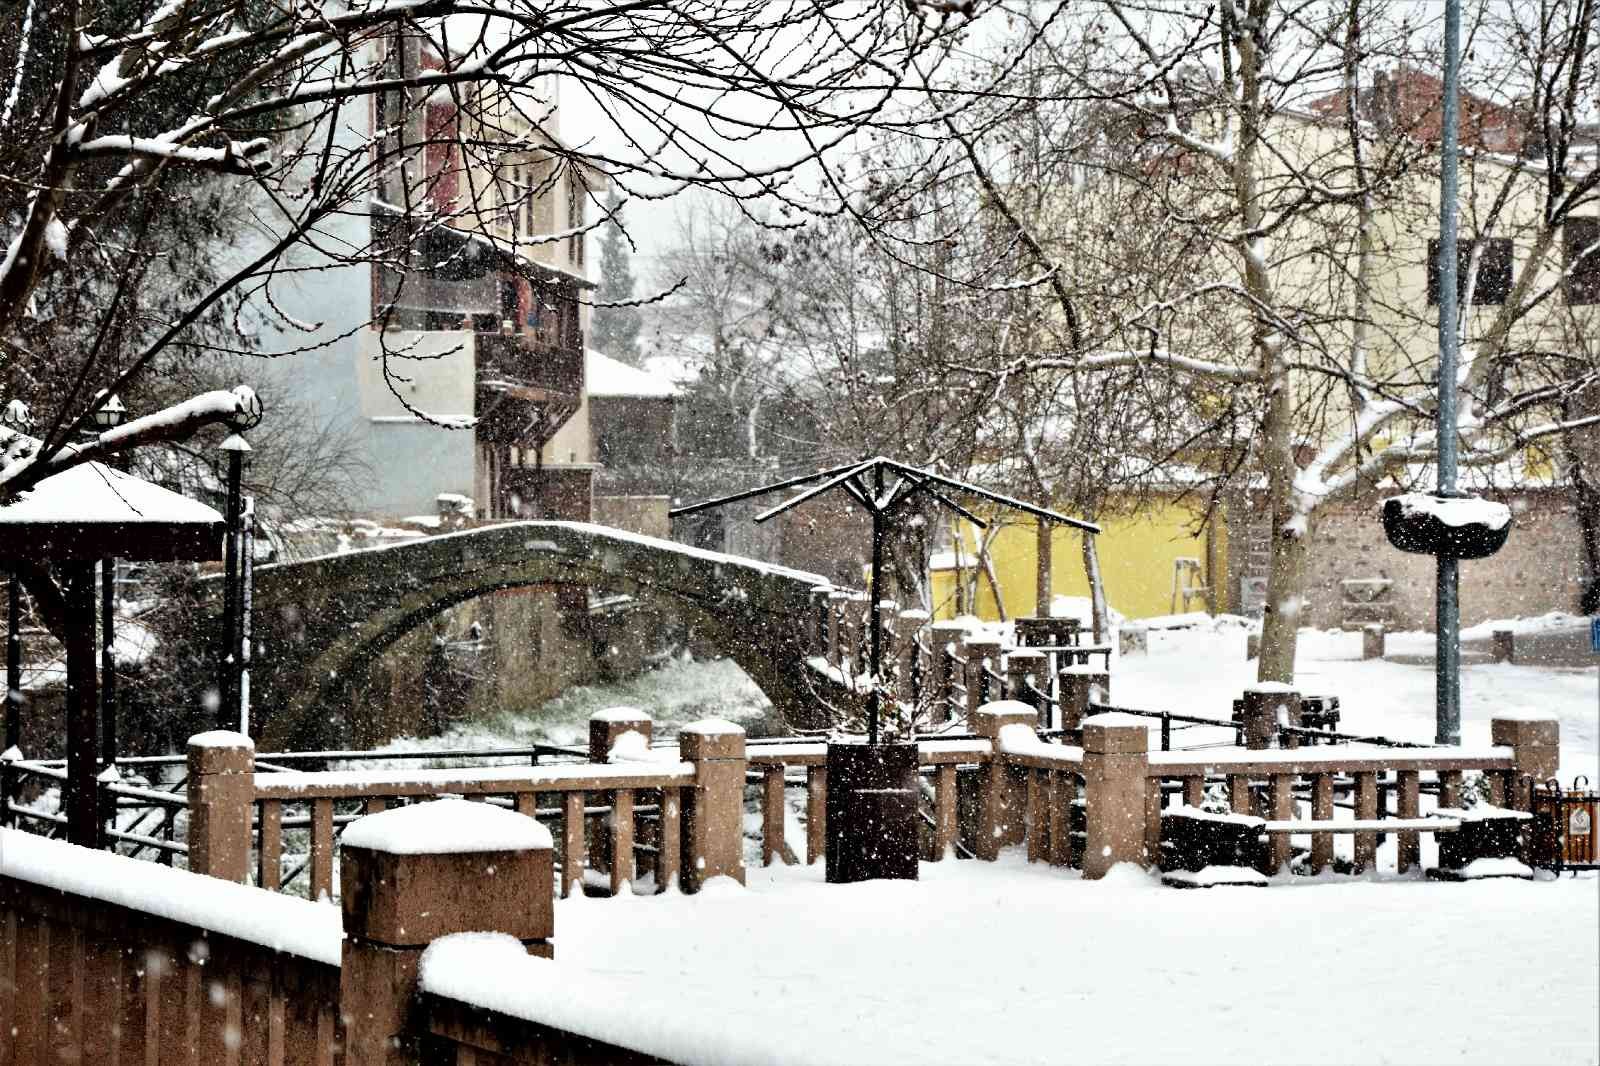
1582,263
1494,270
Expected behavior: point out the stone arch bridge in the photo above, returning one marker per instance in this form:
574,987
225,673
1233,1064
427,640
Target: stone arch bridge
316,621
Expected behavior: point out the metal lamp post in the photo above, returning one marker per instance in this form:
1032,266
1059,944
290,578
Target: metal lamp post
231,660
1447,654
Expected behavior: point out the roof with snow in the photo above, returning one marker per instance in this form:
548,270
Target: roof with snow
611,377
94,512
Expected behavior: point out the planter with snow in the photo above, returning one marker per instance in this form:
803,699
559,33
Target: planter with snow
1461,527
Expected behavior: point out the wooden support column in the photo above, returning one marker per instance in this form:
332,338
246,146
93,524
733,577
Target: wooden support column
620,827
571,843
82,800
1194,791
999,806
669,845
1063,791
1282,801
1366,809
1036,830
816,813
771,815
1409,848
1321,811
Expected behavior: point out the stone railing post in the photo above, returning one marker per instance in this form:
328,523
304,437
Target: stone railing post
1372,639
838,606
221,790
1023,666
1267,706
713,807
980,689
1081,686
1000,788
413,874
820,632
607,726
1115,763
907,625
1535,740
942,636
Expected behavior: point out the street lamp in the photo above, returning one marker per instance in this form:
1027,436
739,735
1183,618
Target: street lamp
231,711
17,417
109,415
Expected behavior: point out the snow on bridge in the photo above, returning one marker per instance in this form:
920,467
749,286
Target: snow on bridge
317,619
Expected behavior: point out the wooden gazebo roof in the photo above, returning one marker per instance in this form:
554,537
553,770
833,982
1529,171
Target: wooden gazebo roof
93,512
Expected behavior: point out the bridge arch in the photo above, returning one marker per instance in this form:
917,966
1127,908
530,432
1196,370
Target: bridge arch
318,619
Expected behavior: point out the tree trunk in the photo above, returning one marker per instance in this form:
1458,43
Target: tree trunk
987,562
1097,587
1043,592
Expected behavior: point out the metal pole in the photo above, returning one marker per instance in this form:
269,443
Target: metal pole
13,664
227,711
108,666
246,607
1447,657
876,654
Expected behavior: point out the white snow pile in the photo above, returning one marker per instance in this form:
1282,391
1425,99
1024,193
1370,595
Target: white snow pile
271,919
447,825
1455,512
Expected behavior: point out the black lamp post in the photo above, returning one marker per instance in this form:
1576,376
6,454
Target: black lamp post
231,660
18,419
108,415
872,795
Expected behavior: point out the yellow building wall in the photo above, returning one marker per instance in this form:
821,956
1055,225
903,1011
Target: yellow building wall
1137,555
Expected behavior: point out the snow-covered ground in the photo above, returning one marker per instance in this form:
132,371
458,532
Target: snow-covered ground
1201,670
1010,963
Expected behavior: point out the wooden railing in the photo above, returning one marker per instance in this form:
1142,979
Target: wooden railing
621,817
112,959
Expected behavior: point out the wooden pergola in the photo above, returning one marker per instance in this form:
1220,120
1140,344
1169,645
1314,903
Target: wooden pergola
71,521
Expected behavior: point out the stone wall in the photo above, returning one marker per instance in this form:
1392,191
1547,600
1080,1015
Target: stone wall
1539,570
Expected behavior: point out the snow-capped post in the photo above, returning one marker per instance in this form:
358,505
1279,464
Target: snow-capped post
1535,741
1081,687
713,807
980,687
1267,706
411,875
621,730
221,792
1372,640
1505,646
1024,667
1000,792
1115,764
942,637
906,654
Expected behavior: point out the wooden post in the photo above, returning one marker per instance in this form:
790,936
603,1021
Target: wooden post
1282,810
397,897
1266,707
620,839
669,843
1115,765
713,807
1505,646
1409,848
221,792
979,687
1366,809
944,812
82,799
571,843
771,814
815,813
1063,791
1000,804
1535,741
1035,831
1321,811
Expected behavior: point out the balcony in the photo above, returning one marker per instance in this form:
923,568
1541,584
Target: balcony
526,390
